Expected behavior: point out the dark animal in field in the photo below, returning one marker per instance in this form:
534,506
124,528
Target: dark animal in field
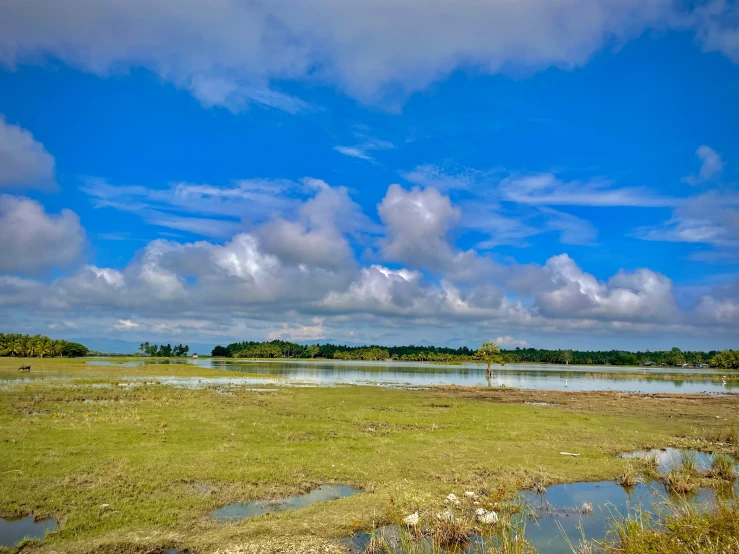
24,368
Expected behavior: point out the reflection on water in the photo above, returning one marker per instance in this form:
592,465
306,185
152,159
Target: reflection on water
525,376
324,493
609,502
670,458
567,513
13,530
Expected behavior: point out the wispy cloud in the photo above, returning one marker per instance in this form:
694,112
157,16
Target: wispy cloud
573,229
182,206
545,189
711,166
711,218
366,145
447,179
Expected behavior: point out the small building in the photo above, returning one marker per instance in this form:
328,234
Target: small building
194,356
649,363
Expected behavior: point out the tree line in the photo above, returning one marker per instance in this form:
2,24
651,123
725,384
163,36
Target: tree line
39,346
164,350
675,357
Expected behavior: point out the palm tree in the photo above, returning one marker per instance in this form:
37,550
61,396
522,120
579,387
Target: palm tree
24,345
35,340
44,347
13,344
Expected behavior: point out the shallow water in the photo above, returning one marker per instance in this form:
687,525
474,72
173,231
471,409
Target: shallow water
12,531
560,514
669,458
523,376
324,493
557,516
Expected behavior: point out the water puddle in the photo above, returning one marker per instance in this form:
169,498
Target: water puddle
562,516
671,458
324,493
14,530
588,511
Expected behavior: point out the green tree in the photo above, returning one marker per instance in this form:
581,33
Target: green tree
221,352
74,350
490,354
312,350
728,359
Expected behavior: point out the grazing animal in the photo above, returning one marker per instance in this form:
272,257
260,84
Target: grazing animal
24,368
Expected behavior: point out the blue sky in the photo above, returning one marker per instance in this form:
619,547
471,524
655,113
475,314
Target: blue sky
555,176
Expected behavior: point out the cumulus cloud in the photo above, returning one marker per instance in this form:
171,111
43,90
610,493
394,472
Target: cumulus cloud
563,290
317,237
418,222
298,278
233,53
35,241
24,162
711,165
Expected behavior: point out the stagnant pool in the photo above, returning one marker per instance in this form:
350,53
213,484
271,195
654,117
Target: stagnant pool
13,530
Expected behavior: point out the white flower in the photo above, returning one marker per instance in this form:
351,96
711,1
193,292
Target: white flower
411,520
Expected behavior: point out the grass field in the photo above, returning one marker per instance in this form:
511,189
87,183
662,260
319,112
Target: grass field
74,437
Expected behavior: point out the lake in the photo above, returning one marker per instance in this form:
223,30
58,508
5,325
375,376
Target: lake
523,376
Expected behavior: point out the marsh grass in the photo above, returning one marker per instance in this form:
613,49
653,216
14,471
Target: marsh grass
679,482
163,458
377,544
651,464
689,464
684,529
630,477
723,468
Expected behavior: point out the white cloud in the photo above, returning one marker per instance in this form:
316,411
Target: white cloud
125,325
545,189
292,332
563,290
573,229
233,53
717,27
362,150
431,175
711,166
417,223
24,162
299,278
509,341
34,241
181,206
711,218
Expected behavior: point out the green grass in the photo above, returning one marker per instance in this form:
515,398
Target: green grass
164,457
685,530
